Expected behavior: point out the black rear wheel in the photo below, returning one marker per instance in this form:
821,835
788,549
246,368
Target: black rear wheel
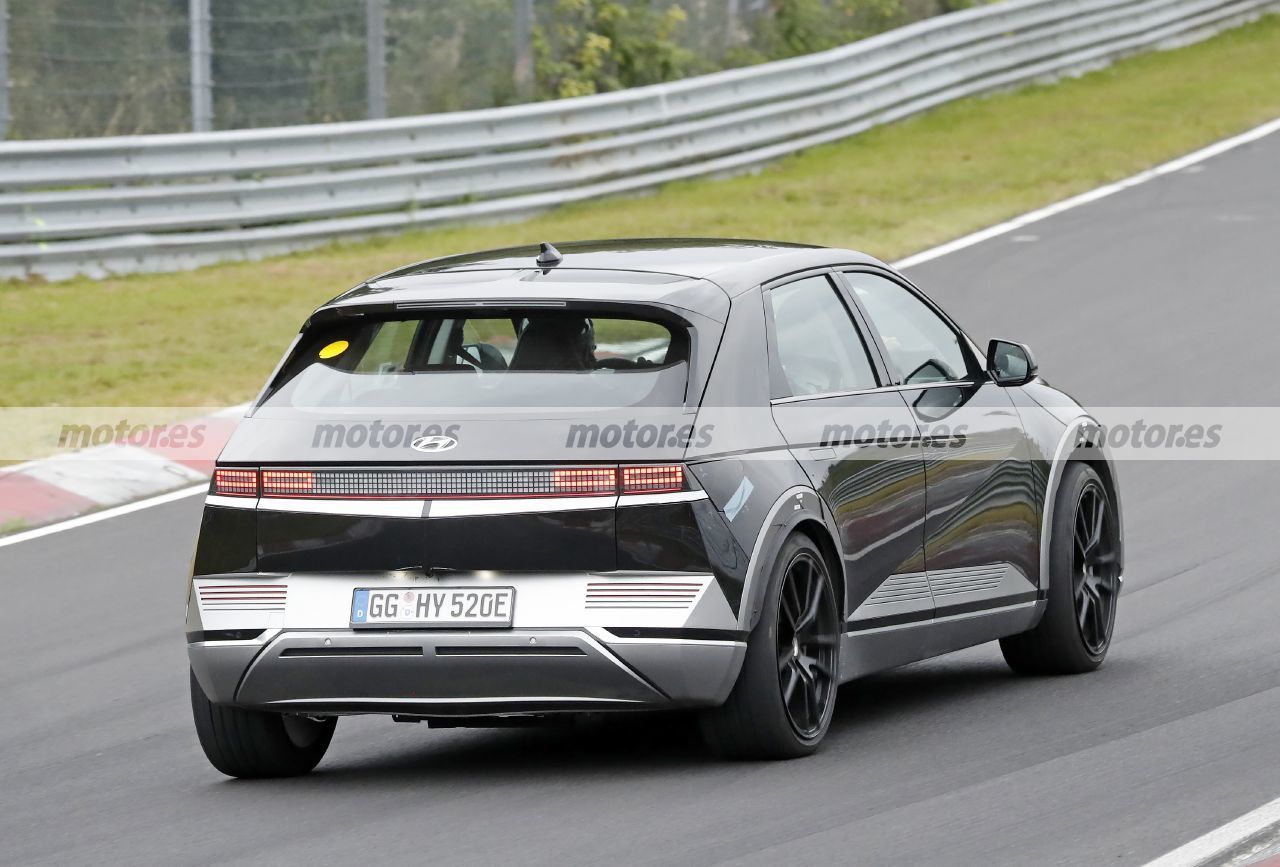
1084,583
806,644
253,743
782,704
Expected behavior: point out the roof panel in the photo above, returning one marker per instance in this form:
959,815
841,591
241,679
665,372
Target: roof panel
697,274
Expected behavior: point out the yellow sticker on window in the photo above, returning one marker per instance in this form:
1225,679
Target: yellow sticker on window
334,349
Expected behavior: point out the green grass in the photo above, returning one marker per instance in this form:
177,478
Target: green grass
210,337
12,525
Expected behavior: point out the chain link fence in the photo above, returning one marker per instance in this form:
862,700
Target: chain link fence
78,68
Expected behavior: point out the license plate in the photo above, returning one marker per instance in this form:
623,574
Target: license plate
434,606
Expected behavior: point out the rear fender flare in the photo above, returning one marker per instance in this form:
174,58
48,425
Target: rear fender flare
794,506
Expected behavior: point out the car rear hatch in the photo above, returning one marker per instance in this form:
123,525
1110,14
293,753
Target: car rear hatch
506,438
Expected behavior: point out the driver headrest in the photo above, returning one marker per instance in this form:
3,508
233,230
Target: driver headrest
555,343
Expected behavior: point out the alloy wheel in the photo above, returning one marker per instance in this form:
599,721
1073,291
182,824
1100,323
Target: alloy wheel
1095,568
808,644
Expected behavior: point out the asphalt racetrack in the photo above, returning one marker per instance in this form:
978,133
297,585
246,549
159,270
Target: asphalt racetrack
1165,294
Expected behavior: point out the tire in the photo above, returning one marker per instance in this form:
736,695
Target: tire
1075,632
782,703
257,744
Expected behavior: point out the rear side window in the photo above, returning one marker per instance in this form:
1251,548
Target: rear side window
819,348
519,358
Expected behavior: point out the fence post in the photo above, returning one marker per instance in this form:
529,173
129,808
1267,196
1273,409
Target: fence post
732,21
375,17
4,69
524,50
201,67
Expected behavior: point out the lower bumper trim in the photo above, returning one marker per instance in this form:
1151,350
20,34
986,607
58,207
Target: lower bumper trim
459,673
677,634
224,635
527,650
317,652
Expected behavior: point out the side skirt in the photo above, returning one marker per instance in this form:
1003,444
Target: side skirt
877,645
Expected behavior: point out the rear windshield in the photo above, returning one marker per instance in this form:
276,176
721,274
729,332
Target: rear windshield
532,358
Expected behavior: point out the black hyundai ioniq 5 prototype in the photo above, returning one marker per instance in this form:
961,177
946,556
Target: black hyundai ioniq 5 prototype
726,476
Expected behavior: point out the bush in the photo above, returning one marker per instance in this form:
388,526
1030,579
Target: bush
591,46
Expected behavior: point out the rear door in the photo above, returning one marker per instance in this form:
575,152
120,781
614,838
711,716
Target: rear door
857,442
981,539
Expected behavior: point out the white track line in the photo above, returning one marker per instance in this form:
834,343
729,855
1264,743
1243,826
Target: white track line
1177,165
1036,216
1220,840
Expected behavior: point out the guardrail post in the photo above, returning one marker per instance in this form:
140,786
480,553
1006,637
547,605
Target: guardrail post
375,17
201,67
524,50
4,68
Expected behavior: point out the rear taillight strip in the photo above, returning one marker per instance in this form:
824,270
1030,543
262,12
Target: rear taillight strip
235,482
446,484
437,484
652,479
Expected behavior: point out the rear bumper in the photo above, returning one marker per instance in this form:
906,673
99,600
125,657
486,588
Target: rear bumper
466,673
578,642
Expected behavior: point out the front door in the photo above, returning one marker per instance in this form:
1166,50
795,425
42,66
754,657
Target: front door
981,524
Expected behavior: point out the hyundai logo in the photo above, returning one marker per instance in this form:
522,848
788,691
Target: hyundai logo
434,443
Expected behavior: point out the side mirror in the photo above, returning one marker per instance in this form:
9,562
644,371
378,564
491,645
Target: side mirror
1010,363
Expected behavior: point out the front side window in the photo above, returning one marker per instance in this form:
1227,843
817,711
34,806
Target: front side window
920,343
520,358
819,348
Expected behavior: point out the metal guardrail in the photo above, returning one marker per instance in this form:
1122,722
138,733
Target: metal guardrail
165,202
